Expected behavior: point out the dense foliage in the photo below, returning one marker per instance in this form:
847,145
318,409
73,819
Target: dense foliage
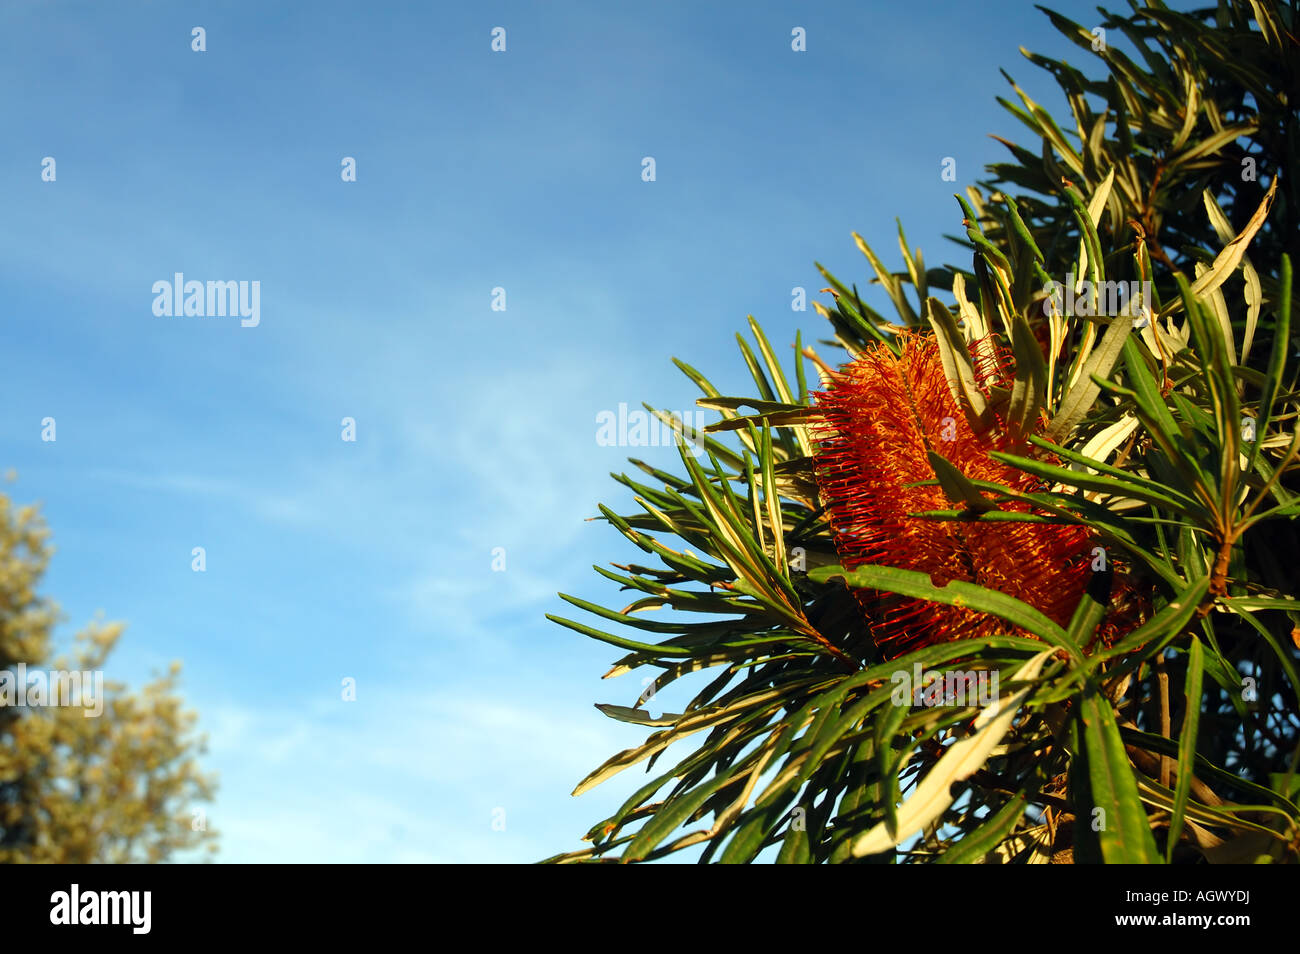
1134,446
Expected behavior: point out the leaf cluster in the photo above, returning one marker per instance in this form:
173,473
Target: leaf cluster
1164,421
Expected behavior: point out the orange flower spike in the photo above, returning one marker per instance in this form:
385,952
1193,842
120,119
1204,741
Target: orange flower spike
879,418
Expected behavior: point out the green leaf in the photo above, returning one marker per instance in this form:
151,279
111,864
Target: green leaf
1213,143
958,367
975,845
1254,291
1080,398
1092,607
1277,359
637,716
1160,421
954,593
1226,262
1124,834
1030,387
956,485
1187,742
1136,488
1021,230
616,640
667,819
891,282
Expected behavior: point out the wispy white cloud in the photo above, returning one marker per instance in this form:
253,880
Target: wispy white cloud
275,507
417,775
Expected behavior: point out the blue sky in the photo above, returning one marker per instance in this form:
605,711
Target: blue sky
475,428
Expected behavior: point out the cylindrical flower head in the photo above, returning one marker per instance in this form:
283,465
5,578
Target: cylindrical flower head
880,416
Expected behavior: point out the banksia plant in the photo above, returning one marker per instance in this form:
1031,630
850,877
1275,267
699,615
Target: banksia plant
1067,471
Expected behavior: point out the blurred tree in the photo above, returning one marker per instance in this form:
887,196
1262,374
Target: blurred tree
76,787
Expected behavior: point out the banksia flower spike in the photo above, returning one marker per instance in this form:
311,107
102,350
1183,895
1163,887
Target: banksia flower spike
880,418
